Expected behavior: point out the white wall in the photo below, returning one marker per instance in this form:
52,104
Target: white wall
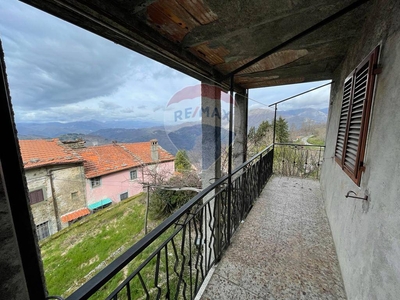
367,238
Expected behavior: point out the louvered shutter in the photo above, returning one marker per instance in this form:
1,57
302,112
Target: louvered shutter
357,111
343,119
36,196
354,118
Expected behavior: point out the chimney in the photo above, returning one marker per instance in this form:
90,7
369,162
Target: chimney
154,149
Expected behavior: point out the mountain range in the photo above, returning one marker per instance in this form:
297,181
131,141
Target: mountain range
180,137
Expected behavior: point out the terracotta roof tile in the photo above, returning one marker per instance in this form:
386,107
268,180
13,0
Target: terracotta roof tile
38,153
75,215
106,159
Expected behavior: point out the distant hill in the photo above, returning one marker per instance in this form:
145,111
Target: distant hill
54,129
182,136
294,117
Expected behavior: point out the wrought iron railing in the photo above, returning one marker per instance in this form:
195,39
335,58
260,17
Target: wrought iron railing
298,160
173,260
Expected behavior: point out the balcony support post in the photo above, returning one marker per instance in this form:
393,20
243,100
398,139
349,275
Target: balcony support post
240,128
211,165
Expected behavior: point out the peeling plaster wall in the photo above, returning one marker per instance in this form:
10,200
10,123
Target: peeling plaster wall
66,180
367,238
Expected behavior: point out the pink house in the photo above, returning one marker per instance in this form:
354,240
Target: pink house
117,171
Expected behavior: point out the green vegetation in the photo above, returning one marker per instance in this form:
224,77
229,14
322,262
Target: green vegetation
164,202
182,162
258,139
298,161
77,253
282,131
74,255
315,140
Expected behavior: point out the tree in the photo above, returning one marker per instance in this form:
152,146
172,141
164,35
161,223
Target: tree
258,139
262,130
252,134
165,201
182,162
282,131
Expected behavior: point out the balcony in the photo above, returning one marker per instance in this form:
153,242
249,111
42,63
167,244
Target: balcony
283,250
240,238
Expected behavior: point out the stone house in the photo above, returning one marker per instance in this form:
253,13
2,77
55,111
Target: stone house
117,171
55,178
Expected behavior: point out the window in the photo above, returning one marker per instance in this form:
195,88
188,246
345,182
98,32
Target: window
123,196
354,117
36,196
74,196
42,230
95,182
133,174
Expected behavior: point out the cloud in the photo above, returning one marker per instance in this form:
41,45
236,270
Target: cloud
60,72
317,99
108,105
53,63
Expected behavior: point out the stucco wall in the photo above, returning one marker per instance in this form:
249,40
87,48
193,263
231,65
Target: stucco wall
114,184
367,237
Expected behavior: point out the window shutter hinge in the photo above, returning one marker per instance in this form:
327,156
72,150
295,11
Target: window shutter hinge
361,166
377,69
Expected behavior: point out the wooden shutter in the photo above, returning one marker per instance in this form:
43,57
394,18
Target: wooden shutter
36,196
350,147
343,119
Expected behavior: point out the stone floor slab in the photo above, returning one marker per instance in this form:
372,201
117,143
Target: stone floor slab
283,250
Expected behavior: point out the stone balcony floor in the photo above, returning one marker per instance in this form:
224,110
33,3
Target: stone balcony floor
283,250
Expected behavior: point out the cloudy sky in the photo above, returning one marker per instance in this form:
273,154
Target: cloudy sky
59,72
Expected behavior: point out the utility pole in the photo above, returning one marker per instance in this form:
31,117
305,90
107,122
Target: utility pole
147,208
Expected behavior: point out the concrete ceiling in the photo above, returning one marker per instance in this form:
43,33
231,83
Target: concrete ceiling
212,38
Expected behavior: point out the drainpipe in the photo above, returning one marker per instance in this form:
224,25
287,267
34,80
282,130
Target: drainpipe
56,214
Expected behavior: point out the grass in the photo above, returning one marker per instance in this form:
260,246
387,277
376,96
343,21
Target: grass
316,141
74,255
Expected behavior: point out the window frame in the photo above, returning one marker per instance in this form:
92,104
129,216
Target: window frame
42,227
136,174
31,193
355,171
95,182
123,194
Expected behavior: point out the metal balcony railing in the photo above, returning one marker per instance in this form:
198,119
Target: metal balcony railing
172,261
298,160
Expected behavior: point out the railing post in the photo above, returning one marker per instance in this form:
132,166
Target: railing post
230,162
259,173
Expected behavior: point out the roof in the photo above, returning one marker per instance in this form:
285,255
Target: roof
299,41
111,158
39,153
75,215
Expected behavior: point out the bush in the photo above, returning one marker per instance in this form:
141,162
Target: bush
164,202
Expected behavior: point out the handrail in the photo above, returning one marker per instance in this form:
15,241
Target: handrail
299,145
100,279
298,160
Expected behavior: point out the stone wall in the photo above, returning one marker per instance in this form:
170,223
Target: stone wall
65,180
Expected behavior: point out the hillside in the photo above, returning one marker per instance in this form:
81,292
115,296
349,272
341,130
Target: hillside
184,136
